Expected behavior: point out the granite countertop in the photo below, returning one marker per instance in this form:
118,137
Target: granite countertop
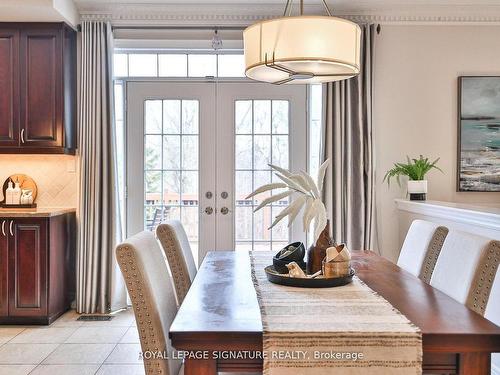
34,212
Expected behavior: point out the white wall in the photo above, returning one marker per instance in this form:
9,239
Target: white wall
415,108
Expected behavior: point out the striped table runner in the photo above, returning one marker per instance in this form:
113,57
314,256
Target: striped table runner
343,330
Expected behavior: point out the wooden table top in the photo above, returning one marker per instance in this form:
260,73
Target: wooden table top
221,307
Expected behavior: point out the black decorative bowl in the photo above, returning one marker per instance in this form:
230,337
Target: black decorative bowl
319,282
296,255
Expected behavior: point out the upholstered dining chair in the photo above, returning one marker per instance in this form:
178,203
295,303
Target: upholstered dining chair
422,244
484,294
175,244
146,275
457,263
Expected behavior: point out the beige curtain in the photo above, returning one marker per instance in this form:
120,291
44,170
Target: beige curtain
100,287
348,142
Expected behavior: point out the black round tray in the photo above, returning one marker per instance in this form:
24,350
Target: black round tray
274,277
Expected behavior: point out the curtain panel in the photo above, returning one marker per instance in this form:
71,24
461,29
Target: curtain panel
100,287
349,193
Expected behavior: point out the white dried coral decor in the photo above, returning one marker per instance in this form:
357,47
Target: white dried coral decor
309,194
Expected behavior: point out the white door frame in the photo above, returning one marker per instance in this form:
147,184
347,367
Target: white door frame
227,94
216,143
137,93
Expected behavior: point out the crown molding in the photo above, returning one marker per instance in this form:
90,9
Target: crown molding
245,14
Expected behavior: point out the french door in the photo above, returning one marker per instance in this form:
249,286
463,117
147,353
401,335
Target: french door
195,150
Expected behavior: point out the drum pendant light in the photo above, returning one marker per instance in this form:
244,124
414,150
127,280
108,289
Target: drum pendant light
302,49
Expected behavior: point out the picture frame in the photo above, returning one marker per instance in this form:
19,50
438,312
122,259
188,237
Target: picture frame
478,134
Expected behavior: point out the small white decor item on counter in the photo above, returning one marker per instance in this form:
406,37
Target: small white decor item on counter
9,192
294,270
27,196
16,194
338,253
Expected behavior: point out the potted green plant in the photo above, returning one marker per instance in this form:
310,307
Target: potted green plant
415,170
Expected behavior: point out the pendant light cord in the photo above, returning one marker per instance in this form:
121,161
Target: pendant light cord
327,9
288,8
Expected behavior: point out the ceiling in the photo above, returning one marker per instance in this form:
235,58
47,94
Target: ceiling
39,11
244,12
355,4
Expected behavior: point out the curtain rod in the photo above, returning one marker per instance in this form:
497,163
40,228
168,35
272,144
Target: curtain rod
161,27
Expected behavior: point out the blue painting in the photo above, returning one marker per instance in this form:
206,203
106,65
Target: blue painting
479,134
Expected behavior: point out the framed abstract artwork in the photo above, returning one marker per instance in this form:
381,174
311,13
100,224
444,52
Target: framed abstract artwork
478,134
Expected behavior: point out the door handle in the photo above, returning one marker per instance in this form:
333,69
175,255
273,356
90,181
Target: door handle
209,210
3,228
22,135
224,210
10,228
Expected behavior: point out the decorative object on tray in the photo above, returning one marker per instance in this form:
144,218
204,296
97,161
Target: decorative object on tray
317,251
309,198
478,134
19,191
288,267
415,170
307,282
337,262
294,252
288,264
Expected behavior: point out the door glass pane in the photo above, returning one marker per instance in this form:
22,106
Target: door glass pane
152,152
171,116
153,117
262,137
171,165
243,113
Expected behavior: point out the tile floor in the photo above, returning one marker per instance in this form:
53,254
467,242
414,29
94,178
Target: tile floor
71,347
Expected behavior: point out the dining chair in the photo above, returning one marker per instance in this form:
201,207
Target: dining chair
175,244
458,260
146,275
492,313
422,244
484,295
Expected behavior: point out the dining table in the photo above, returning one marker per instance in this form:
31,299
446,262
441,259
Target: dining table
220,316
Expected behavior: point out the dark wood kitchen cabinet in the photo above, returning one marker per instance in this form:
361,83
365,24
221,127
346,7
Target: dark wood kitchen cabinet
37,88
37,260
9,87
4,270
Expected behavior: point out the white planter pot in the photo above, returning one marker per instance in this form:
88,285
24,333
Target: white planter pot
417,190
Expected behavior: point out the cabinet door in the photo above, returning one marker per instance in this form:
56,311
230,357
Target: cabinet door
9,88
41,88
4,268
28,267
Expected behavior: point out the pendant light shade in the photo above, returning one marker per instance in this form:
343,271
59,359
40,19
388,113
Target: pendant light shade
302,49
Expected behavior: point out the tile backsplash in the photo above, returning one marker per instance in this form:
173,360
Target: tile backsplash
55,175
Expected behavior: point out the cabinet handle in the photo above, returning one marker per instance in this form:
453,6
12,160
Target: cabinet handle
10,228
22,135
3,228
